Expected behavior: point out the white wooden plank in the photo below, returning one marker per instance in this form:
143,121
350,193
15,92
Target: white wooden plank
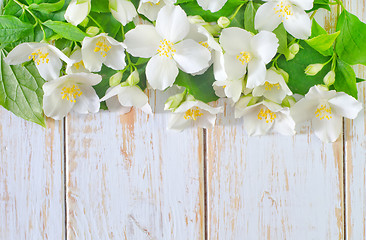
130,178
31,179
273,187
355,152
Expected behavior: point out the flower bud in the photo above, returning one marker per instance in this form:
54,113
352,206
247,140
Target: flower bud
292,51
134,78
115,79
196,20
92,31
66,51
288,101
85,22
313,69
329,79
223,22
174,101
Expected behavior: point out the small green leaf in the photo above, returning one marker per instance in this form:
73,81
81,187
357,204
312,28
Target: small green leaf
320,4
351,42
21,90
281,34
323,43
66,30
345,79
47,7
249,16
192,8
317,30
12,29
100,6
200,86
299,82
358,80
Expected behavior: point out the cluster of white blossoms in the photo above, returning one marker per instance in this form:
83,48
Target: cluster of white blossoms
174,42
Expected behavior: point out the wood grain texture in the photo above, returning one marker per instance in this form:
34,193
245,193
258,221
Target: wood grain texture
130,178
31,179
355,152
273,187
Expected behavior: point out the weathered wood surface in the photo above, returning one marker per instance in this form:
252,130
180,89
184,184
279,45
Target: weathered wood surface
355,152
31,179
130,178
127,177
273,187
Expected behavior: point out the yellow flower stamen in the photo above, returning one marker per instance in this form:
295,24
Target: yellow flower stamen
283,9
205,44
39,57
323,112
267,115
78,64
269,86
102,47
244,57
192,114
71,93
166,49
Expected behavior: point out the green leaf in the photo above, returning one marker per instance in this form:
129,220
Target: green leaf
109,24
281,34
192,8
320,4
21,90
351,42
299,82
249,16
323,43
316,29
345,79
100,6
47,7
200,86
358,80
66,30
12,29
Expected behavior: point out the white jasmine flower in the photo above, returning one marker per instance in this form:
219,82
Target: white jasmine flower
77,11
274,88
46,58
199,34
123,98
243,50
290,12
212,5
193,113
122,10
151,8
102,49
167,46
325,109
77,64
229,88
264,117
71,92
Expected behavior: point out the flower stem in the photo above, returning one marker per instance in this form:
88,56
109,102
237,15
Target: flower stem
132,66
237,10
98,25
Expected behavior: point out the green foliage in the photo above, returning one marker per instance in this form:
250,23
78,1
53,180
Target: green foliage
47,7
249,16
100,6
299,82
192,8
323,43
320,4
12,29
199,86
281,34
65,30
21,90
345,79
351,43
